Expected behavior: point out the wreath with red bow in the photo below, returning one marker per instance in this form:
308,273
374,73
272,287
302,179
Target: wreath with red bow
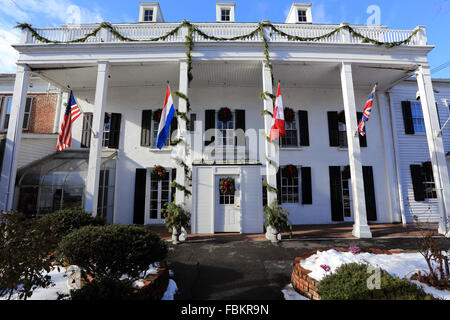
226,186
290,171
289,115
159,173
157,115
225,115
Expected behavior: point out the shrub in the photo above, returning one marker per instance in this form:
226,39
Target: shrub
112,251
349,282
62,222
105,289
25,253
175,216
277,217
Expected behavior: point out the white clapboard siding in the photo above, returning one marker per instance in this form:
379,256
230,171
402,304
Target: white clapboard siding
32,149
413,149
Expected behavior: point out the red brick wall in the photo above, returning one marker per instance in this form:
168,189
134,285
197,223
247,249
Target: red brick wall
301,281
43,113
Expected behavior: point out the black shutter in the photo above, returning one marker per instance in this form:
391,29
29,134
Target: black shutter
337,209
304,128
146,128
240,124
193,118
173,189
439,117
407,117
280,201
114,135
210,123
139,196
173,128
417,181
369,192
86,130
333,128
362,140
306,186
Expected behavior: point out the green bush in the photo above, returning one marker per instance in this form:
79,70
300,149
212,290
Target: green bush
25,248
176,217
277,217
349,282
63,222
112,251
105,289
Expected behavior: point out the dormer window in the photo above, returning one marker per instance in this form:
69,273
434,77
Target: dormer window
225,11
226,15
302,16
148,15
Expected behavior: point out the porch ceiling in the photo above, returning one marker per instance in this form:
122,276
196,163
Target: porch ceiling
223,73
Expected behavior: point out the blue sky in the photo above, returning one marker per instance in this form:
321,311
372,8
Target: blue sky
396,14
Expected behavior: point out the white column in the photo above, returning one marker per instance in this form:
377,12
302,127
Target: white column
13,138
435,145
360,228
389,157
95,152
182,107
270,149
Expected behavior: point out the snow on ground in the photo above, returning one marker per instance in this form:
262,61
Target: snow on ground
289,293
59,279
402,265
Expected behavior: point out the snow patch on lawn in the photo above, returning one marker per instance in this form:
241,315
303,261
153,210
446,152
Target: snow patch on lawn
171,290
402,265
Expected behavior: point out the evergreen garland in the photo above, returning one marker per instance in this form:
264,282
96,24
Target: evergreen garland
269,187
179,187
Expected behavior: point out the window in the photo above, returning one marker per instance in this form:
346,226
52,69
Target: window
291,138
86,130
148,15
417,117
428,181
289,187
225,16
342,135
226,199
423,181
226,130
302,16
106,130
26,115
346,192
264,192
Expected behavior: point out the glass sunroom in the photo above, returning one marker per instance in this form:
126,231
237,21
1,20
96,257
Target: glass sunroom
59,182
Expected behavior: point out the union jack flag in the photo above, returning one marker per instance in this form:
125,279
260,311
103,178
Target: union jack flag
72,113
367,112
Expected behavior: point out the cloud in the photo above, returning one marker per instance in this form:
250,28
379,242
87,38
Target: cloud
43,13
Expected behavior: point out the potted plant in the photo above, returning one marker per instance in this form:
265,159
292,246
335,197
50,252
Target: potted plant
176,218
276,221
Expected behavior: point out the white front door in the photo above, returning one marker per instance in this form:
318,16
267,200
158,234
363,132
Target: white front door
160,193
227,216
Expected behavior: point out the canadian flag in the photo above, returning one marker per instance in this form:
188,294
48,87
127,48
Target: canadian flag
278,129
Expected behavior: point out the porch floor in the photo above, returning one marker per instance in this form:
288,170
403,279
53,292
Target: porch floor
305,232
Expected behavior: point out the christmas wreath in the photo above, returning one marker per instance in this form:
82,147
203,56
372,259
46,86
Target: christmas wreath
225,115
226,186
290,171
159,173
157,115
289,115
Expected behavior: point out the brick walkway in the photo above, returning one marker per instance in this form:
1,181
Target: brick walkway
304,232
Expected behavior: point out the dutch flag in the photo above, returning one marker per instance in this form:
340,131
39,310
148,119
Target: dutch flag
167,114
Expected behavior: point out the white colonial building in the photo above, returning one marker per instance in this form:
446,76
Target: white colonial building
329,174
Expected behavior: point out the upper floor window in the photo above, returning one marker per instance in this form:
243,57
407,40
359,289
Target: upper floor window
111,130
302,16
148,15
291,138
26,117
337,130
225,15
226,130
417,117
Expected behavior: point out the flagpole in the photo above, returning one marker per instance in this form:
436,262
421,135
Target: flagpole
82,112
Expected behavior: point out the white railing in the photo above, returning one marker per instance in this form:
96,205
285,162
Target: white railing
139,31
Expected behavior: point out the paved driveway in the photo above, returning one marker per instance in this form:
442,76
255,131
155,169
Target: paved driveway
243,270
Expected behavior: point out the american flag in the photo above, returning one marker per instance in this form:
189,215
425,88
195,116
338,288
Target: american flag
72,113
367,112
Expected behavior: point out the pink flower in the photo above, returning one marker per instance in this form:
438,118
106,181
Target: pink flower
354,250
325,267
